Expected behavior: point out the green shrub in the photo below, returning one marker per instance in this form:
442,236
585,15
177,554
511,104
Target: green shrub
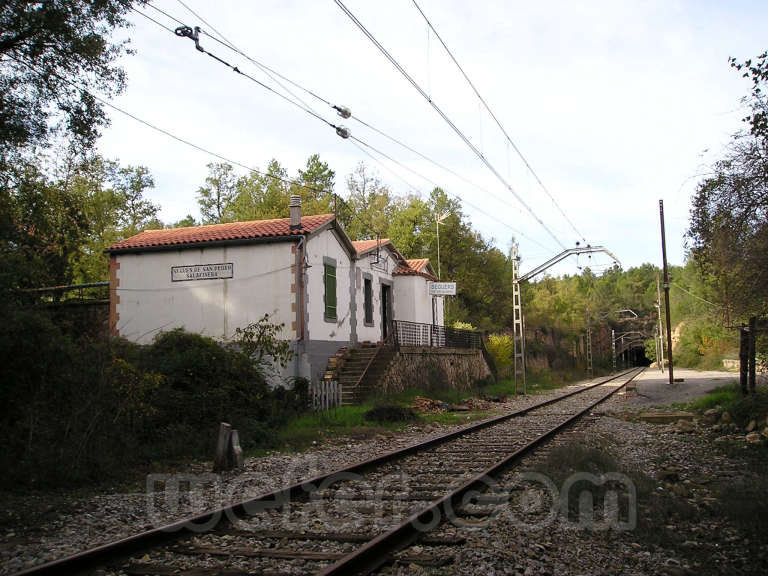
741,408
703,344
80,409
502,349
722,396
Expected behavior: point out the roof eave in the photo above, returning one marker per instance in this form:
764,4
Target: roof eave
208,244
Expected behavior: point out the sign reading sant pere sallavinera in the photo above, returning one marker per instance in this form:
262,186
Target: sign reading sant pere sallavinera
202,272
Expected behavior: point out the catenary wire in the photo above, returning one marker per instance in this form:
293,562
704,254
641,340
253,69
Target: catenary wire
236,70
224,41
269,71
462,199
498,123
444,116
228,44
250,169
175,137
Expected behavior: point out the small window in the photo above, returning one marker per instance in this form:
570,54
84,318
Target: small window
329,277
368,300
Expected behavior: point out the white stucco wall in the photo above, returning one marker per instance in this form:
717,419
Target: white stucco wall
150,302
413,302
327,245
378,271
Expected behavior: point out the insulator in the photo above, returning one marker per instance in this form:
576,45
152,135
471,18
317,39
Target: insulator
343,111
343,131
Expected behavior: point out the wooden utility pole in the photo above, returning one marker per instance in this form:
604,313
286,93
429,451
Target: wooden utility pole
666,291
751,353
743,358
660,338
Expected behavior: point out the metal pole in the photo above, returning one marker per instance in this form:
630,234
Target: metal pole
613,348
437,227
623,363
522,345
666,291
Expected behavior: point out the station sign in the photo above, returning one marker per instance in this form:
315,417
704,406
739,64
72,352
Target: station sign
442,288
202,272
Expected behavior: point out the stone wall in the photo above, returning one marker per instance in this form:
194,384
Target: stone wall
434,369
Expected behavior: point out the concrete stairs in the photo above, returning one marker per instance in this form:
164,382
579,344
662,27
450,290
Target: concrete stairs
361,370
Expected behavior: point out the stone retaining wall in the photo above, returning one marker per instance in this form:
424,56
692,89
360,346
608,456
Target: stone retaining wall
434,369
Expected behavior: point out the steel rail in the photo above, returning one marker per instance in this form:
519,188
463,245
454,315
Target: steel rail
377,551
110,551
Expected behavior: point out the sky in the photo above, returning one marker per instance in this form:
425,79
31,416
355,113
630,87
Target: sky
613,104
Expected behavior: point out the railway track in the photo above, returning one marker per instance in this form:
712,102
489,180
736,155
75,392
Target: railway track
355,519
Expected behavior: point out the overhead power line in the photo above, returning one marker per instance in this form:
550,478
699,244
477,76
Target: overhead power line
445,117
223,41
271,72
193,33
174,136
427,179
498,123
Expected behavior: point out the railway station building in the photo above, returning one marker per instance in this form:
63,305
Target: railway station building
327,291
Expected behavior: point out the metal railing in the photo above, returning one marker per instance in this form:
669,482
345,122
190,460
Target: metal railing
71,293
416,334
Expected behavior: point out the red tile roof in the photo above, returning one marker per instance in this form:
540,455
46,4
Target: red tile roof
214,233
415,267
362,246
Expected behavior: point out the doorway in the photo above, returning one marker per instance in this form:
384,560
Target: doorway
386,310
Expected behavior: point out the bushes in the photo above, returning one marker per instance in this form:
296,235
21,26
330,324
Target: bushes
703,344
502,349
79,409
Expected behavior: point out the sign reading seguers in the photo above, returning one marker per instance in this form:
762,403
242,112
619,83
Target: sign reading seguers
202,272
442,288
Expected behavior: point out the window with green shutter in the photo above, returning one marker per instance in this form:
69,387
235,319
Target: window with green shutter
329,276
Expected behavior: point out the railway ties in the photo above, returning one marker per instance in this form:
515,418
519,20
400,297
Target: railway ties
356,519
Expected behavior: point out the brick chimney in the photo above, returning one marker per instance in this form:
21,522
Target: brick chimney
295,206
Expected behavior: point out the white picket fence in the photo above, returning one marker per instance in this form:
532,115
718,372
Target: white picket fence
326,394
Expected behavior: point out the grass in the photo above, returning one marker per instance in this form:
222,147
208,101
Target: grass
656,510
536,383
300,432
722,396
741,408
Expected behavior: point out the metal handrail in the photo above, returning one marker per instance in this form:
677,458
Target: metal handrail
386,342
434,336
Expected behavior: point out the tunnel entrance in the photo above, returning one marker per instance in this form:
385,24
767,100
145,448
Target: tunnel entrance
633,356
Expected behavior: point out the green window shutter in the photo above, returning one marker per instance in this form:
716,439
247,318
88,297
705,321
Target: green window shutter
330,291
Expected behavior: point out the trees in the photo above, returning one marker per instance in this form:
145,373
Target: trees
729,214
216,197
228,197
317,184
137,213
54,227
42,226
370,205
47,50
